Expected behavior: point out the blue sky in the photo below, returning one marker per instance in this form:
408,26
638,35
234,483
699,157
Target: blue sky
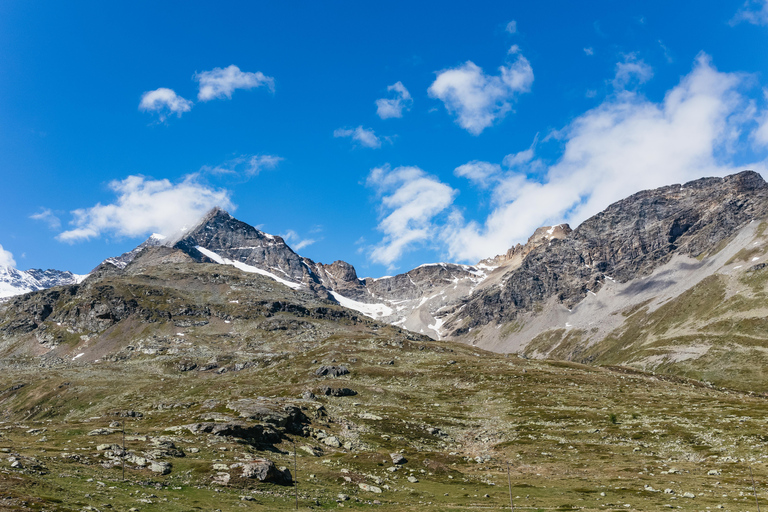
121,119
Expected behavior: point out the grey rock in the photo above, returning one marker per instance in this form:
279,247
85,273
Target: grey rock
265,470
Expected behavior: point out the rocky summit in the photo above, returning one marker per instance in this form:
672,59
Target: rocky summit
616,365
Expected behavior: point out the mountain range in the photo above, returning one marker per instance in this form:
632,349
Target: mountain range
566,294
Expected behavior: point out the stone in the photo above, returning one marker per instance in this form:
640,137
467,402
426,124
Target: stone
264,470
397,458
329,391
413,479
369,488
162,468
332,441
333,371
311,450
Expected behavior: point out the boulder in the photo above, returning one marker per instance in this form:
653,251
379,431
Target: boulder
333,371
397,458
264,470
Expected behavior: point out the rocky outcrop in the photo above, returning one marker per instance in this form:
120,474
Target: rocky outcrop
629,239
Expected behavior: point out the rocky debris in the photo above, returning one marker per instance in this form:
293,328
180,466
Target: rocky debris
103,431
128,414
265,470
164,448
413,479
397,458
283,416
329,391
186,366
253,433
333,371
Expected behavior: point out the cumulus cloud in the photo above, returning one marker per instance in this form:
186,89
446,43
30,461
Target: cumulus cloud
511,27
631,72
364,136
245,165
393,107
477,100
143,206
6,258
753,11
410,199
220,83
626,144
46,215
164,102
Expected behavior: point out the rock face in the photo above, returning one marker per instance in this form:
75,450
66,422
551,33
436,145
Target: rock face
628,240
18,282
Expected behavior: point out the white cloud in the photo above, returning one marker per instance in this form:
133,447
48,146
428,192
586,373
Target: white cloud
164,102
245,165
626,144
631,72
46,215
511,27
366,137
393,107
410,199
753,11
6,258
220,83
295,241
589,51
143,206
480,173
477,99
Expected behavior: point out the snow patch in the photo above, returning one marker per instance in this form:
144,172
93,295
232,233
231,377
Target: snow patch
81,354
246,268
372,310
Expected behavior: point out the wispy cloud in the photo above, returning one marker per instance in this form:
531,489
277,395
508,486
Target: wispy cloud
364,136
589,51
632,71
753,11
393,107
296,242
164,102
143,206
46,215
220,83
477,100
511,27
245,165
6,258
410,199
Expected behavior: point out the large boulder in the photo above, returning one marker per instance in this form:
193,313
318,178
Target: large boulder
264,470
